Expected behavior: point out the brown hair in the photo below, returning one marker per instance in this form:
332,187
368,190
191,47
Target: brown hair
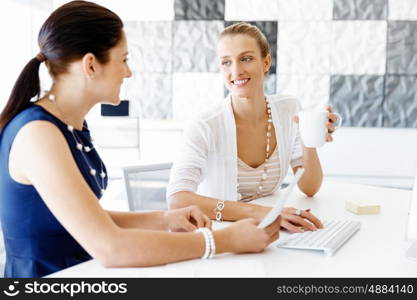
70,32
250,30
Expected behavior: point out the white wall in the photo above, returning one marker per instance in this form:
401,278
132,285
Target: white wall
381,156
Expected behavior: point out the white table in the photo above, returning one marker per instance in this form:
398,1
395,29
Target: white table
376,250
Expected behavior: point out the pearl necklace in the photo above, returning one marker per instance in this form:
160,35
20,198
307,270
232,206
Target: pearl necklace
83,149
264,174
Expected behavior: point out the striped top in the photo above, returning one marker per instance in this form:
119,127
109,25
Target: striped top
249,178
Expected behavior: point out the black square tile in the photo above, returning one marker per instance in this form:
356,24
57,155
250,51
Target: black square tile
358,99
270,30
360,9
402,47
400,105
199,9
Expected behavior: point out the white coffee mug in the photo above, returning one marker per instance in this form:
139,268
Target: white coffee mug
313,128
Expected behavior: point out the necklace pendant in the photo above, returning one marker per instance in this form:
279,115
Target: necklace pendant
87,149
264,175
92,172
79,146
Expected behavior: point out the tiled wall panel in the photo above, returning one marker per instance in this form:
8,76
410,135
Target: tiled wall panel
304,10
358,99
199,10
402,9
193,92
150,46
195,45
400,106
311,90
402,47
151,94
358,47
304,47
360,10
251,10
359,55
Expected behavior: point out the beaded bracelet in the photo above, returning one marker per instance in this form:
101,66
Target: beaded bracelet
206,240
212,244
210,249
218,210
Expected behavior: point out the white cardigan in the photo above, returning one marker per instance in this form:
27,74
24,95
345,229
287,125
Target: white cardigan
207,163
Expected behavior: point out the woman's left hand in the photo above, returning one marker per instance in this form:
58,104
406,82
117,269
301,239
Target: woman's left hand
332,119
330,124
186,219
299,220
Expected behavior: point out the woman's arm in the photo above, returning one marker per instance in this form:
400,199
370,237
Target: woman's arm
232,210
154,220
186,219
51,169
312,178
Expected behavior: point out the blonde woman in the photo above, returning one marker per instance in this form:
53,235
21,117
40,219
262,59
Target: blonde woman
242,148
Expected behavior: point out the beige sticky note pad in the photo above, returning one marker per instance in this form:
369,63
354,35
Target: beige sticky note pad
363,207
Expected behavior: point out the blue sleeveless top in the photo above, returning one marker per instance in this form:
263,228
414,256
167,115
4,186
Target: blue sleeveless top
36,243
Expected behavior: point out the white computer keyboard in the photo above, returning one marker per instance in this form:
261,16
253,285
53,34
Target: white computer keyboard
329,239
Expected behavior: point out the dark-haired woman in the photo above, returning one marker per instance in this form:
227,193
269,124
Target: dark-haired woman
51,175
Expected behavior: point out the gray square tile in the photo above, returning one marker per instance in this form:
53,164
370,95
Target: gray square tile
150,95
358,99
199,9
150,46
270,30
360,9
400,105
402,47
195,45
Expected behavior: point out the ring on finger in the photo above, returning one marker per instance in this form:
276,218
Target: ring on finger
298,212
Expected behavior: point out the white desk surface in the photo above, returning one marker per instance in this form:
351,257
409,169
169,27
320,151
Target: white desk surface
376,250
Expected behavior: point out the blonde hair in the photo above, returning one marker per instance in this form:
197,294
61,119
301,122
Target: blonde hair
251,31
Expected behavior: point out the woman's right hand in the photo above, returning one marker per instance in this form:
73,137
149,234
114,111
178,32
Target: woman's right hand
245,236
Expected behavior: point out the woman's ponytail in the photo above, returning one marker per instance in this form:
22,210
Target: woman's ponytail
26,87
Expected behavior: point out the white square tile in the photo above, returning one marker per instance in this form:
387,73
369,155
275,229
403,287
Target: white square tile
402,10
195,92
143,38
194,45
311,91
359,47
305,9
133,10
304,47
250,10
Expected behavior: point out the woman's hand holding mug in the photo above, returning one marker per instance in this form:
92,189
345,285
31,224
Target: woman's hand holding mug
317,127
